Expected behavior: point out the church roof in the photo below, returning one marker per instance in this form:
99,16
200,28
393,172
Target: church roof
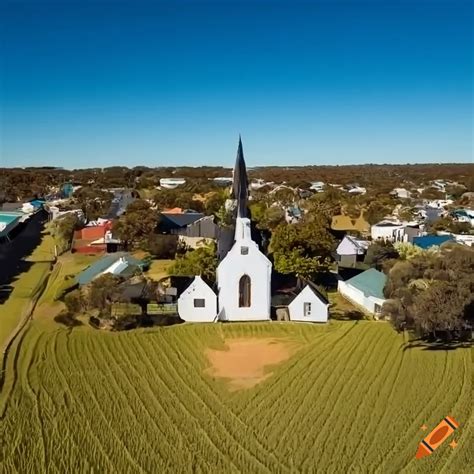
240,184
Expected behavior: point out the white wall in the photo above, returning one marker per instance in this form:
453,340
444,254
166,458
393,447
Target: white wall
233,267
197,290
383,232
319,309
358,297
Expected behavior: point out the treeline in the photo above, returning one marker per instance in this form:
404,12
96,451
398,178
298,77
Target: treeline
22,183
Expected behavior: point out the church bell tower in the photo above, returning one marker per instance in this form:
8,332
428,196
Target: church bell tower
244,275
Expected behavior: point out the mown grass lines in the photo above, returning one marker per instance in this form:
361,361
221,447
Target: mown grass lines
348,400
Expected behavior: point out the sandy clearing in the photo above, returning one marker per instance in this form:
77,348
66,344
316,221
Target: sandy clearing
245,362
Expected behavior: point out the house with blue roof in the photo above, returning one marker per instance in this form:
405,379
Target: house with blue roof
118,264
428,241
365,290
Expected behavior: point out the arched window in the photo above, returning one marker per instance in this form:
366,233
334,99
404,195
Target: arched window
244,292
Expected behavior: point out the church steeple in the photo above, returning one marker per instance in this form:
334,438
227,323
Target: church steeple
240,184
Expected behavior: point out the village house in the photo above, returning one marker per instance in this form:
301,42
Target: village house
301,303
365,290
401,193
198,303
350,251
119,264
171,183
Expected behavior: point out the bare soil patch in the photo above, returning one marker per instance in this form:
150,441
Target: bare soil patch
246,362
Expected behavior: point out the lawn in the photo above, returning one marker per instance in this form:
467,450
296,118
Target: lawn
341,397
26,289
158,269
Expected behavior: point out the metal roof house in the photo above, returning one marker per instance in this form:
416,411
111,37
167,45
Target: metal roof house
365,290
119,264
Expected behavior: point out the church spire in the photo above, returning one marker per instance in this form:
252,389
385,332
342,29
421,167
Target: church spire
240,185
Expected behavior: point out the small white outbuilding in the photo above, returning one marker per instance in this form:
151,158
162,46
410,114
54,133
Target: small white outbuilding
309,306
198,303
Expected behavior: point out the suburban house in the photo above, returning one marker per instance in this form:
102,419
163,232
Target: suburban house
385,230
309,306
351,250
356,189
94,238
9,221
171,183
427,241
317,186
118,264
177,222
198,303
300,303
401,193
222,181
407,233
365,290
464,215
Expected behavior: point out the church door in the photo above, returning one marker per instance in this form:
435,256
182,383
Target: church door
244,292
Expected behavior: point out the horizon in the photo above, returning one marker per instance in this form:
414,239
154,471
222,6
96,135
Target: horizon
168,84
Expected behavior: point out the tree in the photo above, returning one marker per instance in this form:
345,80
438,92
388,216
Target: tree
433,294
93,201
378,252
201,261
215,201
161,246
137,224
103,292
63,231
74,302
303,249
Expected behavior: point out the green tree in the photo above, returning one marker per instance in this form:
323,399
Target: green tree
379,252
137,224
63,229
201,261
302,249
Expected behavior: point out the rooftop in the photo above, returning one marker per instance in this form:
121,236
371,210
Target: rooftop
371,283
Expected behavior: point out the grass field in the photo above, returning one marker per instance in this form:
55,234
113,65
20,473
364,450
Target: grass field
349,399
26,289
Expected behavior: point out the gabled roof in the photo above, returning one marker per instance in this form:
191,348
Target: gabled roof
105,263
182,219
371,283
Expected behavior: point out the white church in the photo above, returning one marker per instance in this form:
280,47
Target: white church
243,275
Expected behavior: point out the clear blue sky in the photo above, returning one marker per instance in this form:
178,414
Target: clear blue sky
87,83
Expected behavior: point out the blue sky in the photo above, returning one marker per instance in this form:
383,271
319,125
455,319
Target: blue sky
173,83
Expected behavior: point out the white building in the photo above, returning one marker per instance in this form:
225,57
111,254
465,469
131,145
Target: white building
198,303
244,275
171,183
401,193
351,250
385,230
317,186
365,290
309,306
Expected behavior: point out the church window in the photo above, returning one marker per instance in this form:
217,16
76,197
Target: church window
244,250
244,292
199,303
307,309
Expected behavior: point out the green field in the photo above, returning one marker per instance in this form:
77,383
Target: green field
349,400
26,290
